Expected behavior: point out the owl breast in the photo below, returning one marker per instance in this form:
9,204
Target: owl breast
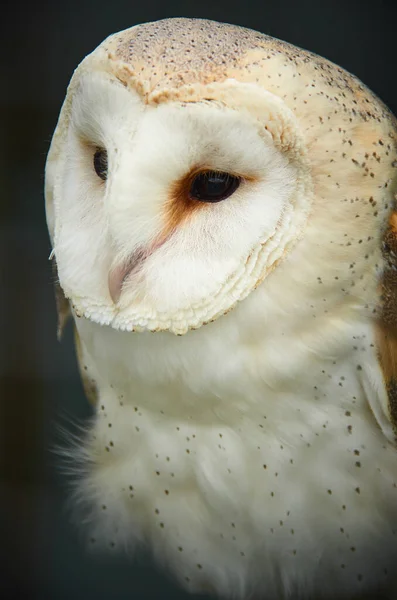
250,465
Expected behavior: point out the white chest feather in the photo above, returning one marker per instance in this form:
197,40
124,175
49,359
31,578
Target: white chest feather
248,463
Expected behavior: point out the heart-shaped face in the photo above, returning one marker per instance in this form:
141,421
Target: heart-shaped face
177,181
183,205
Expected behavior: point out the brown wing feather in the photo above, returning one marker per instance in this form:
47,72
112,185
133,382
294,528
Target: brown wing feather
387,327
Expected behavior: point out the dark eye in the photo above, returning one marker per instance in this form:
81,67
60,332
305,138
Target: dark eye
213,186
101,163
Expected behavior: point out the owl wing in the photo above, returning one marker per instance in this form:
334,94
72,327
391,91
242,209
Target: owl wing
87,370
85,364
62,303
387,325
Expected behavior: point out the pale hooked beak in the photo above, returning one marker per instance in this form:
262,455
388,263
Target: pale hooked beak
119,273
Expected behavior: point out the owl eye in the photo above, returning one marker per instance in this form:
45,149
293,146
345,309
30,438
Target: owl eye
101,163
213,186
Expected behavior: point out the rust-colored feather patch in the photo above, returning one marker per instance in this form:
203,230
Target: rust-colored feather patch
180,206
387,327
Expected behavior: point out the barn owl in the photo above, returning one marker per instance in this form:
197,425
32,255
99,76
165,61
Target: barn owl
221,212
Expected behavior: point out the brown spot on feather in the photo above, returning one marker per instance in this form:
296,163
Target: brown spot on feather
389,282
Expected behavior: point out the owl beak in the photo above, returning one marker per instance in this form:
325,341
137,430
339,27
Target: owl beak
119,273
115,282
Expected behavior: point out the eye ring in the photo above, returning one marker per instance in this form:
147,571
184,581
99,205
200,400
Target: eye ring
213,186
100,162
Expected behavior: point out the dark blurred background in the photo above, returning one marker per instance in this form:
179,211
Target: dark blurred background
41,554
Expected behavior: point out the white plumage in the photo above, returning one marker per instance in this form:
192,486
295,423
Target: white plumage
256,454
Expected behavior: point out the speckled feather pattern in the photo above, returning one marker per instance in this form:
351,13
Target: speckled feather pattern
255,455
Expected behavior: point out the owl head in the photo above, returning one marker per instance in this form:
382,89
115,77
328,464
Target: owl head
194,161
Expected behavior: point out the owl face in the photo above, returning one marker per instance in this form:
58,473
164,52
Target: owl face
183,203
192,158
